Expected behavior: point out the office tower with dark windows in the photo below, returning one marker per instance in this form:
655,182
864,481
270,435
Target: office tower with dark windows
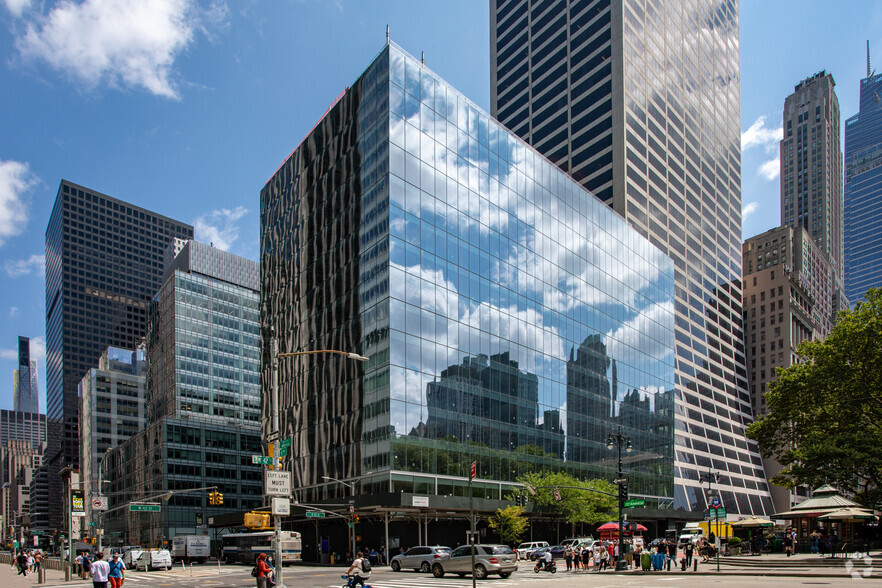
203,398
104,263
811,175
22,442
639,101
488,290
863,191
787,279
25,395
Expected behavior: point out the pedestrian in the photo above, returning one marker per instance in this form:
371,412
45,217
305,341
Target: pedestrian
687,550
795,542
703,550
38,561
635,555
832,542
672,551
788,542
78,565
814,537
99,570
359,571
568,557
262,571
586,558
117,572
616,554
30,561
87,565
22,561
382,554
577,558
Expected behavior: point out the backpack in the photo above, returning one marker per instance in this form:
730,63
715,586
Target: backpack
366,565
255,571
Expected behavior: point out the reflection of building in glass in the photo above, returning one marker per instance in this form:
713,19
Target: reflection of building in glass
863,191
24,393
639,101
411,227
202,398
484,400
589,401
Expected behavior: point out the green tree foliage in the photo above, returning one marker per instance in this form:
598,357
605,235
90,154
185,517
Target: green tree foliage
509,523
824,420
575,506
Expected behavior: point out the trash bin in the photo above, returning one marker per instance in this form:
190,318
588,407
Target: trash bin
645,561
658,561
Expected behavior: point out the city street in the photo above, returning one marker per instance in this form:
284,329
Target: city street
326,577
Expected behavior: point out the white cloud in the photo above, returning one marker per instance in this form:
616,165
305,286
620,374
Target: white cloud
35,264
15,180
13,311
17,7
771,169
760,135
218,227
748,209
129,43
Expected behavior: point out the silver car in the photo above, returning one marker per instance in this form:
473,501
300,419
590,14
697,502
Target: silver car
489,559
419,558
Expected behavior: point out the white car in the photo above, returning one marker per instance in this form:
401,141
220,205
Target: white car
130,558
525,549
155,559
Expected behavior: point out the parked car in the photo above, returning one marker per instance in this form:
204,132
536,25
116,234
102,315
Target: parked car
130,558
525,549
489,559
557,552
154,559
419,558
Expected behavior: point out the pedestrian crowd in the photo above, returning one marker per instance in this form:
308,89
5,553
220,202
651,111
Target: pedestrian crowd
27,562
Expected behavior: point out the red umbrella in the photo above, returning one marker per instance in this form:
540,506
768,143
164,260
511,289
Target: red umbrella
625,525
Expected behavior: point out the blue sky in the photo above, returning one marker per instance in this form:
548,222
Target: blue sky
186,107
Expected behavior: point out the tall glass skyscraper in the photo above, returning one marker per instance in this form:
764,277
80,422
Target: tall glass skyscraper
639,101
25,395
510,317
863,191
104,263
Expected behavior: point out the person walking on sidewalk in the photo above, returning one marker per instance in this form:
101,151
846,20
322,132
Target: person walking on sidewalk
568,557
22,561
116,575
688,550
99,570
788,542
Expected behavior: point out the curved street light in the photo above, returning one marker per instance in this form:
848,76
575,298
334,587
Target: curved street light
613,440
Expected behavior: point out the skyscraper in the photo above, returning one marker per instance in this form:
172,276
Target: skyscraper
104,263
25,395
411,227
640,102
811,176
863,191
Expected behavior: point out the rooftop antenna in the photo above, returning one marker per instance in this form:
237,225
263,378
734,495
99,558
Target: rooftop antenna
423,57
868,58
387,35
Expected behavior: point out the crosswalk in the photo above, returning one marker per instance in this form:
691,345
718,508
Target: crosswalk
410,580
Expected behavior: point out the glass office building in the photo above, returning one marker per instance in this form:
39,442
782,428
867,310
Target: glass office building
863,192
511,318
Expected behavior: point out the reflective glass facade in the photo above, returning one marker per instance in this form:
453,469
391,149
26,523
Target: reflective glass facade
863,193
510,317
639,101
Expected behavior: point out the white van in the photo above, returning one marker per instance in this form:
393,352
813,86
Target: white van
130,557
525,549
155,559
578,542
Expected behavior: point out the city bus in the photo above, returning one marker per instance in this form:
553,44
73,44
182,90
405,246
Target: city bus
245,547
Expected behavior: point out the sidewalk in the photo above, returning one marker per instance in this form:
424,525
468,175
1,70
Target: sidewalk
11,579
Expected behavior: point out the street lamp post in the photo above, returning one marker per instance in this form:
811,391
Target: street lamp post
711,478
101,482
619,440
352,514
276,418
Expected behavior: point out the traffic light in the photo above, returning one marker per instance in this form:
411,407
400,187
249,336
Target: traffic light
355,518
218,498
623,492
256,520
211,499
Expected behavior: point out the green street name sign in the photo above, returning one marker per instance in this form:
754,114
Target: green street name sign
261,460
715,512
285,443
634,502
315,515
145,507
93,524
283,451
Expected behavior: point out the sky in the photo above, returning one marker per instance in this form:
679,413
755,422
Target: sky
187,107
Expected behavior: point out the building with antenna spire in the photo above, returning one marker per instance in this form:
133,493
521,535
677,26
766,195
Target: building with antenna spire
863,190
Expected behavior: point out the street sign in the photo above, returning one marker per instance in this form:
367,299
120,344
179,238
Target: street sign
716,503
99,503
144,508
77,504
93,524
314,515
634,502
261,460
473,471
272,437
283,451
620,481
285,443
38,532
277,483
281,506
557,494
714,513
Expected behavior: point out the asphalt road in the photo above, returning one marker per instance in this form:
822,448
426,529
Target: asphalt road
210,576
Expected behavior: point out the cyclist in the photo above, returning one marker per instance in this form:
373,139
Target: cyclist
357,570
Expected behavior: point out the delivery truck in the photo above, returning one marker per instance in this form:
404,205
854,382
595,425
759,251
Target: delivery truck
191,548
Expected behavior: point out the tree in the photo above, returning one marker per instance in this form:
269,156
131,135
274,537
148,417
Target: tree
575,506
824,420
509,523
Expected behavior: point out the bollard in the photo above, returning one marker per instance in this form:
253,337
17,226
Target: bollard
218,567
695,565
41,575
683,564
669,564
67,571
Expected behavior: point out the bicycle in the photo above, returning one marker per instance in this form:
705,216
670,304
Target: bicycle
350,581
